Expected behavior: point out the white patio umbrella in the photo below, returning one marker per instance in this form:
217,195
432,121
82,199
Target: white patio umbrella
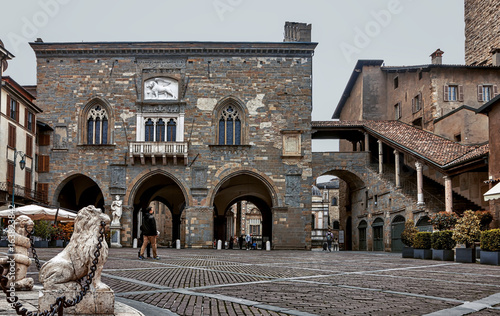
36,212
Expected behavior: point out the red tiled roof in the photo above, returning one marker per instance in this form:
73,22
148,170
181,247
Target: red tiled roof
439,150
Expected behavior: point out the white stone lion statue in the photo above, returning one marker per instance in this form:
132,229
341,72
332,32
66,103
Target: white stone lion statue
74,262
19,257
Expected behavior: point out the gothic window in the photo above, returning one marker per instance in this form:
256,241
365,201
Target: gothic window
229,126
149,131
97,126
171,128
160,130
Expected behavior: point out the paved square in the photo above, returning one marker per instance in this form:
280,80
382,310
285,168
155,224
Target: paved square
256,282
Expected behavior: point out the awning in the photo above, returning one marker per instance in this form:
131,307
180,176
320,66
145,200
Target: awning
36,212
493,193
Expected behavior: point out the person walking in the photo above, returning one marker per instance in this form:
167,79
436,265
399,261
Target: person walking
148,228
335,244
329,239
248,239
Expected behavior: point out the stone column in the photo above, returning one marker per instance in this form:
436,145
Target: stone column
367,142
199,226
448,193
380,157
420,180
180,128
238,218
397,171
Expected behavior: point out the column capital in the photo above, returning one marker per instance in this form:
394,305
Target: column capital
396,152
418,165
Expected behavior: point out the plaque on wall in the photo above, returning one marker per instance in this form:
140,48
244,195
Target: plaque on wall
161,88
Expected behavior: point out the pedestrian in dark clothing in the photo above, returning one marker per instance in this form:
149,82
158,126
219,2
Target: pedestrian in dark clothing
148,228
240,241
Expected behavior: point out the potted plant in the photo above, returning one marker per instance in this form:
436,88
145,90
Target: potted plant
490,247
42,229
442,245
485,218
408,238
56,237
444,220
422,246
466,232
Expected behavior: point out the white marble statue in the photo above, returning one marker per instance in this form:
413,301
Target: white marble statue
116,211
64,270
20,258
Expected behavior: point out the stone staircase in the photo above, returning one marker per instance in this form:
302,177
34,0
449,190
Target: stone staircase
434,192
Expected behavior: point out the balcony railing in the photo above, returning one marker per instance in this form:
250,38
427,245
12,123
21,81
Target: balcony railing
24,193
160,150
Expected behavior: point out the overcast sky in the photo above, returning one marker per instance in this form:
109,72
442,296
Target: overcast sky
401,32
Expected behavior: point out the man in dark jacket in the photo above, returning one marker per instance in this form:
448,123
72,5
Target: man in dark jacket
148,228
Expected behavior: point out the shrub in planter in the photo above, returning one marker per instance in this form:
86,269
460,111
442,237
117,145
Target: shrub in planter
443,240
467,231
407,238
408,234
422,245
485,218
490,247
442,245
422,240
444,220
490,240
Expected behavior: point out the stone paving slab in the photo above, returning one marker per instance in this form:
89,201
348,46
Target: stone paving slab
305,283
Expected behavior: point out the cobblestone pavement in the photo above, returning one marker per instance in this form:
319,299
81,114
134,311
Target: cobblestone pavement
237,282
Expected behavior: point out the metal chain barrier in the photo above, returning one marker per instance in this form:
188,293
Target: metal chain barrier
61,302
33,250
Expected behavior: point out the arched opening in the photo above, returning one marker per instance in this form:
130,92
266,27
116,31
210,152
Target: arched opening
424,224
397,227
165,196
339,191
362,235
79,191
378,234
243,205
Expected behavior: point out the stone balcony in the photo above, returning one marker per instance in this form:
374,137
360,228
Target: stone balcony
159,152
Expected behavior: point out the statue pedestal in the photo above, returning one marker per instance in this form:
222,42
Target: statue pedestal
115,235
93,303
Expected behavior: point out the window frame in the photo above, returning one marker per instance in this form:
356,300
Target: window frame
493,92
12,139
417,103
222,117
459,95
102,120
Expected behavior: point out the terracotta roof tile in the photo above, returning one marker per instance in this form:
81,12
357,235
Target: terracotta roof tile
439,150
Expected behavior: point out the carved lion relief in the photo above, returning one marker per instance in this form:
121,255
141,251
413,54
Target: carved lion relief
161,88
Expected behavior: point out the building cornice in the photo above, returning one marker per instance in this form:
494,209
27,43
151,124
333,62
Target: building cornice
173,49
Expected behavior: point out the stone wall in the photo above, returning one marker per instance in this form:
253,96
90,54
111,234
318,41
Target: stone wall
481,30
272,85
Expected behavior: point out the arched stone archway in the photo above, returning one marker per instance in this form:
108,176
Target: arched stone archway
164,188
238,187
78,191
351,197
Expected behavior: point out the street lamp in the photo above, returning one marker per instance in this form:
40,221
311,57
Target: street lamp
22,164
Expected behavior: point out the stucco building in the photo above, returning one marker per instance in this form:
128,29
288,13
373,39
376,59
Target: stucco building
19,151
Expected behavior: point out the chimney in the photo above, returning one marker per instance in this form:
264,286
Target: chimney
437,57
297,32
495,58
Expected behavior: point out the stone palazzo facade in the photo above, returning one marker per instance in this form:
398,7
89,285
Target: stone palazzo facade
197,126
